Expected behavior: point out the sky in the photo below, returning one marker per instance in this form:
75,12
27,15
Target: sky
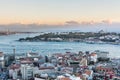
58,11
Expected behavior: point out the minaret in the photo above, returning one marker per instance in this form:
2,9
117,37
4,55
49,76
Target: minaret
14,54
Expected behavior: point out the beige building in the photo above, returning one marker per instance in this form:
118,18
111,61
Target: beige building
2,60
83,62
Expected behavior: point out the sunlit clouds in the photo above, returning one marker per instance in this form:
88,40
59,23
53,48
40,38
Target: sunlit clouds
59,11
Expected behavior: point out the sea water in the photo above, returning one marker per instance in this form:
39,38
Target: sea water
9,42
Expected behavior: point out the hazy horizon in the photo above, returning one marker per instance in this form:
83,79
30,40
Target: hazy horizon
69,26
43,15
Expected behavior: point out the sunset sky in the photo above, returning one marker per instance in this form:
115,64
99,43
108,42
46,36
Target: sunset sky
58,11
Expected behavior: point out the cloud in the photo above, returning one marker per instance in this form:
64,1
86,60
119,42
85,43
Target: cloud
107,21
88,23
72,23
94,23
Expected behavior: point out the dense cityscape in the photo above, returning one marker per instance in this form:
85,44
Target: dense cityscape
87,65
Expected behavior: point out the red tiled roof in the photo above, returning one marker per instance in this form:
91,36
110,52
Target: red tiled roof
104,68
15,66
65,78
93,54
26,60
88,72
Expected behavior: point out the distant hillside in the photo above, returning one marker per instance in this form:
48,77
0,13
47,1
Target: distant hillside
70,36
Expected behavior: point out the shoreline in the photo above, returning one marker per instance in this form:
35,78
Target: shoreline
87,37
112,43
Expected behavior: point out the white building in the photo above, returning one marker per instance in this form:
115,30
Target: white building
93,57
55,39
39,79
14,74
26,71
13,71
31,54
2,60
102,54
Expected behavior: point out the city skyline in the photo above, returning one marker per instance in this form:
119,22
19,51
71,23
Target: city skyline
54,12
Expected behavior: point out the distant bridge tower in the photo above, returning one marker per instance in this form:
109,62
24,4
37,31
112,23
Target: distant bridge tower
8,32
